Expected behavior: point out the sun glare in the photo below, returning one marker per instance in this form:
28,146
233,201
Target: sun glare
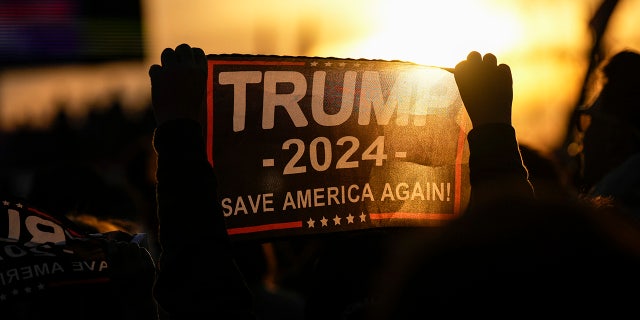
433,33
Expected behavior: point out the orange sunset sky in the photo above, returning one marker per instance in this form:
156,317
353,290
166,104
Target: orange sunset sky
546,43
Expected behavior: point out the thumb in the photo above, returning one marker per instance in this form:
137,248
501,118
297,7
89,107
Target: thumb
154,70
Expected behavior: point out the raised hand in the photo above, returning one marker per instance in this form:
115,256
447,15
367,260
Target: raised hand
178,86
486,89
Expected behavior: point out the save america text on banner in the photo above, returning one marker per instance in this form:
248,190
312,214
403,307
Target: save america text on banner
309,145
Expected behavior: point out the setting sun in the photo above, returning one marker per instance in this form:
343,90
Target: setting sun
432,33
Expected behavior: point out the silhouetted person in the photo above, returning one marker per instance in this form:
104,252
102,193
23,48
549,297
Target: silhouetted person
611,128
511,254
197,275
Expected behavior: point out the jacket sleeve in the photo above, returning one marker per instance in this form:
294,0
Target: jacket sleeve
496,167
197,275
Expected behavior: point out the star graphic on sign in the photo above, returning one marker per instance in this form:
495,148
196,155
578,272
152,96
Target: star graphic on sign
327,64
350,218
324,221
311,223
313,64
363,217
27,289
336,220
5,202
40,286
342,64
19,205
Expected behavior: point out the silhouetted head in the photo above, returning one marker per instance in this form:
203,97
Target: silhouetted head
612,131
620,95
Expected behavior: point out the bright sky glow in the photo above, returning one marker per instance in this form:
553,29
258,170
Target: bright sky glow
544,41
431,33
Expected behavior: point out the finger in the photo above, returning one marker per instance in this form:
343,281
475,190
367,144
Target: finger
184,54
168,57
459,70
462,65
200,58
490,59
474,56
506,70
154,70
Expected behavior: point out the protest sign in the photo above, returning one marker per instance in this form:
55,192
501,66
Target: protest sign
309,145
50,267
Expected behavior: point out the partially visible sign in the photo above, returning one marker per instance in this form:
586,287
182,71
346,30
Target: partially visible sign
46,260
306,145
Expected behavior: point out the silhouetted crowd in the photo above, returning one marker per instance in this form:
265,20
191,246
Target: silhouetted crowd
108,201
102,164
